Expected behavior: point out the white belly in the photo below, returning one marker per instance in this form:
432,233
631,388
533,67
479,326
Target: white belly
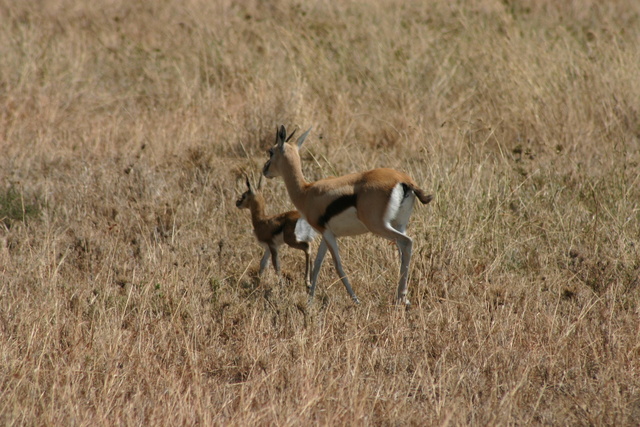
346,223
304,232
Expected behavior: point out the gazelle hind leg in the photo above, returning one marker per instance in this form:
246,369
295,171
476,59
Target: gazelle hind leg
400,229
275,261
264,261
405,245
333,248
305,247
307,267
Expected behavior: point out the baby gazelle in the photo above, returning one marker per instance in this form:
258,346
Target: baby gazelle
272,231
377,201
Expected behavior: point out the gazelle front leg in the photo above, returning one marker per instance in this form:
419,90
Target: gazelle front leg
322,251
307,268
332,244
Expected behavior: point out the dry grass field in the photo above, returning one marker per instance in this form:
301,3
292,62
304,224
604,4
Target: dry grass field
128,279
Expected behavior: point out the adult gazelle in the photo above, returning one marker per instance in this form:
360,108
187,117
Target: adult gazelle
377,201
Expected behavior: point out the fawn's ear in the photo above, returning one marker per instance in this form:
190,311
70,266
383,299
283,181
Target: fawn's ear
303,137
260,183
246,177
281,137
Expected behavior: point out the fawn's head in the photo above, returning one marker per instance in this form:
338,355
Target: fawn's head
249,196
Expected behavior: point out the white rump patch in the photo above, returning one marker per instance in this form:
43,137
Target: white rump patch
393,206
346,223
399,208
304,232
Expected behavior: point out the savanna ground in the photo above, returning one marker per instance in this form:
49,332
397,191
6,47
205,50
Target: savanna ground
128,288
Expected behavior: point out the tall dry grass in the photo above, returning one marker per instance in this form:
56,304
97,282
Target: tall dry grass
128,289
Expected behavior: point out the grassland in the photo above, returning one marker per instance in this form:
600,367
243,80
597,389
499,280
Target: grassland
128,288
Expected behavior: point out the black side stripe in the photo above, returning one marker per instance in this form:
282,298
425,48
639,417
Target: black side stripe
336,207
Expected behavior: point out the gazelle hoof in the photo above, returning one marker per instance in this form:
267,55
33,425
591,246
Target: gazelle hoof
403,301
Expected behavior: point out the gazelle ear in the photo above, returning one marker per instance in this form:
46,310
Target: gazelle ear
248,183
281,136
303,137
260,183
291,136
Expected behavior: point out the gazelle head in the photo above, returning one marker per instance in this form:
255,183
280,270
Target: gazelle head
244,202
282,154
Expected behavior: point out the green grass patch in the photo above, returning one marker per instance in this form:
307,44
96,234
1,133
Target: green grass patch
15,207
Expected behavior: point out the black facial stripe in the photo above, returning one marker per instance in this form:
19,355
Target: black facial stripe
336,207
